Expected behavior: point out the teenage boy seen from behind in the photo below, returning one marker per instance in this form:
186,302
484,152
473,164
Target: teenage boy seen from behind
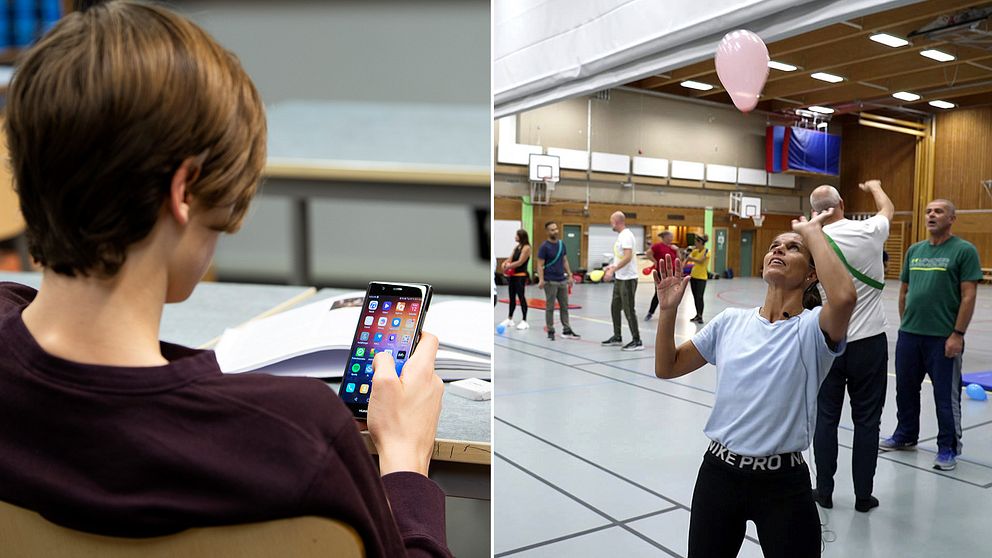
135,141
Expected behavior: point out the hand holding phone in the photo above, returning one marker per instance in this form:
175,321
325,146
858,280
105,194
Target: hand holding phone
404,410
390,323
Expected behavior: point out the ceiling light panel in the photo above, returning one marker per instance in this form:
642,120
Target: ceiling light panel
823,76
889,40
782,66
906,96
941,104
937,55
697,85
821,110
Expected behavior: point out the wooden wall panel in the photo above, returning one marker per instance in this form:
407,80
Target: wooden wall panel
868,153
963,157
506,209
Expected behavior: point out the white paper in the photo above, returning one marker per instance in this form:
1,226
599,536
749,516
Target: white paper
314,340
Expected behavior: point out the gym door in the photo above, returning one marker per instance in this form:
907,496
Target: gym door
572,236
747,253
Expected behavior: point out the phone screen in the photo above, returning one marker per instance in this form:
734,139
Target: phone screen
390,322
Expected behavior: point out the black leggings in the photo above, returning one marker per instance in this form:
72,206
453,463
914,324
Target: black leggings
698,287
779,502
517,283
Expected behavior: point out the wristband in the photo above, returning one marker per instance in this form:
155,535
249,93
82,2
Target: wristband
959,332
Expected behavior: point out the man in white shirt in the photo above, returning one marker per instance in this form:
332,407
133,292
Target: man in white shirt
863,368
624,270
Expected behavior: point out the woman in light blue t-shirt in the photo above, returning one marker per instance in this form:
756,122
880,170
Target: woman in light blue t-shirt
770,361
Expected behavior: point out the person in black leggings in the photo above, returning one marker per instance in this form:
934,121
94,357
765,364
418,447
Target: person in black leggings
515,270
770,362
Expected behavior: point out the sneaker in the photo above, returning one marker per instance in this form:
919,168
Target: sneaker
508,323
551,335
697,319
614,341
893,444
523,325
945,460
634,345
647,317
824,500
567,333
865,504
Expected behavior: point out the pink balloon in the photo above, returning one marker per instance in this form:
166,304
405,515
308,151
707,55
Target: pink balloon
742,65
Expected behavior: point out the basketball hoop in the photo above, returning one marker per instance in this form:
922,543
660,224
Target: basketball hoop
540,190
758,220
544,174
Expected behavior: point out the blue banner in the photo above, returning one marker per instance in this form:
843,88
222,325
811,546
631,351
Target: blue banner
813,151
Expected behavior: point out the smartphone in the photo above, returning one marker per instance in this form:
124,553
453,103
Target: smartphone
391,319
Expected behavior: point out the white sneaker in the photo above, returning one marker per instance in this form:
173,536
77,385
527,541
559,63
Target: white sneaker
507,322
522,325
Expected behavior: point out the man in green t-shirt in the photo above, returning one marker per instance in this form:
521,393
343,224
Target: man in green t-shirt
936,300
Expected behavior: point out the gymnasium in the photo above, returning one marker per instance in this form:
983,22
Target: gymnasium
594,455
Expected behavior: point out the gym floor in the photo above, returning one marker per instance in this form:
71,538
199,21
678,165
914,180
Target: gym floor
595,456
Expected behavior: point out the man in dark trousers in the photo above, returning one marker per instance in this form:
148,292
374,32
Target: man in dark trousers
863,368
940,278
555,277
657,254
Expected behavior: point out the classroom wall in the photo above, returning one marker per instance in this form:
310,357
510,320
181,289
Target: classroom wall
434,51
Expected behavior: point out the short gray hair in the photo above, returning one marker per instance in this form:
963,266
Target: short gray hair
824,197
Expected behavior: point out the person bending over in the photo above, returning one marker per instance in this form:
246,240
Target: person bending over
135,141
769,362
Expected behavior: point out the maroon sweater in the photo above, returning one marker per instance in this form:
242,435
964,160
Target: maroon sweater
140,452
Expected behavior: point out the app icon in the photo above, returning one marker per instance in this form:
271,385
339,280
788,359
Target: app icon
382,321
400,306
364,336
389,352
414,306
409,323
350,388
392,338
364,388
360,352
373,305
396,322
377,337
372,352
368,368
401,355
406,338
387,305
356,367
368,320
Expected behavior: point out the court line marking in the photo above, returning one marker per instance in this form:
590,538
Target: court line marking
632,384
615,522
880,455
570,453
583,533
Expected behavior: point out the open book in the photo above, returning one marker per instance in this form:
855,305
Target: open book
315,339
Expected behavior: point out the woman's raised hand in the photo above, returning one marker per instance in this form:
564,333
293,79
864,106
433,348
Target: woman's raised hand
670,283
